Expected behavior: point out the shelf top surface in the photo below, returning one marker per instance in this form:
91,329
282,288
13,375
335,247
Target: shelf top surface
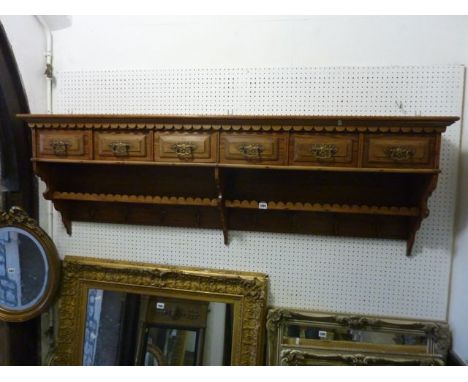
328,120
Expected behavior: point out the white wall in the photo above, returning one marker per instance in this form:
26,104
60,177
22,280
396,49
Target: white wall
213,352
458,306
129,42
28,41
95,43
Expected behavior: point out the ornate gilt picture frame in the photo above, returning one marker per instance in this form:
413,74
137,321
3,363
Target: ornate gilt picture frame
323,351
247,292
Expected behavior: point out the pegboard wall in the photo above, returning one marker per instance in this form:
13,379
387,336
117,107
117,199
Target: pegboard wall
364,276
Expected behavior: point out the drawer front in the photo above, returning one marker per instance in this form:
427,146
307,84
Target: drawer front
63,144
323,150
180,147
399,151
123,146
244,148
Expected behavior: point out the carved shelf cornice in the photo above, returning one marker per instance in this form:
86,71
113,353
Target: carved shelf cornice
267,123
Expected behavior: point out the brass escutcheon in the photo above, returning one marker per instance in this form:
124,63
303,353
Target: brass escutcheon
399,153
251,151
184,151
324,151
60,147
119,149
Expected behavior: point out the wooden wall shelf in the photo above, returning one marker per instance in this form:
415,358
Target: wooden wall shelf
317,207
143,199
335,175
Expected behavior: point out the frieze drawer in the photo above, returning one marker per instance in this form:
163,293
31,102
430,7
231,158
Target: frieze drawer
323,150
123,147
186,147
399,151
53,144
245,148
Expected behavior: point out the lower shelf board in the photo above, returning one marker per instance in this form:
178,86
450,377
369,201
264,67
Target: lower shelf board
139,199
324,207
246,204
240,219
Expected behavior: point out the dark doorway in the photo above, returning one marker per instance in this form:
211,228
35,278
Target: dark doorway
19,342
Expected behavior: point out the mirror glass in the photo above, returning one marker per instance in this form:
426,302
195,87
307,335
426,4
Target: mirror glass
303,334
23,269
132,329
169,346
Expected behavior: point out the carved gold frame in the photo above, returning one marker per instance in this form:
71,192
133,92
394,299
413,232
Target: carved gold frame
246,291
278,319
18,218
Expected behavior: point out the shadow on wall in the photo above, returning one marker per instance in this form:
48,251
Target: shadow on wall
461,225
436,208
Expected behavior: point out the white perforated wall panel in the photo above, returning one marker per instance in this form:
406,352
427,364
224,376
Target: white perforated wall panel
364,276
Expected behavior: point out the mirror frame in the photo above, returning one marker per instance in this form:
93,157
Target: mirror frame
18,218
245,290
157,354
436,332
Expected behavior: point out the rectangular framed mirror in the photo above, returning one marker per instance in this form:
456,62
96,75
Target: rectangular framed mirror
122,313
315,338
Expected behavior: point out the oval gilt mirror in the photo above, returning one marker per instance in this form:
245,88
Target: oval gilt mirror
29,267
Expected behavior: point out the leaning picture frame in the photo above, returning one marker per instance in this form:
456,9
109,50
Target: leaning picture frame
247,292
298,338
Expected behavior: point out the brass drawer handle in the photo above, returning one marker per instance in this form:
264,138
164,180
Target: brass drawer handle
60,147
399,153
184,151
324,151
251,151
119,149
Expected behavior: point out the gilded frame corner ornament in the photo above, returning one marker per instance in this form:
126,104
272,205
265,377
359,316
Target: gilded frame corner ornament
246,291
16,217
437,333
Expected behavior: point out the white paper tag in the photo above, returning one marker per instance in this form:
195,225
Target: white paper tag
11,270
322,334
263,205
160,305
